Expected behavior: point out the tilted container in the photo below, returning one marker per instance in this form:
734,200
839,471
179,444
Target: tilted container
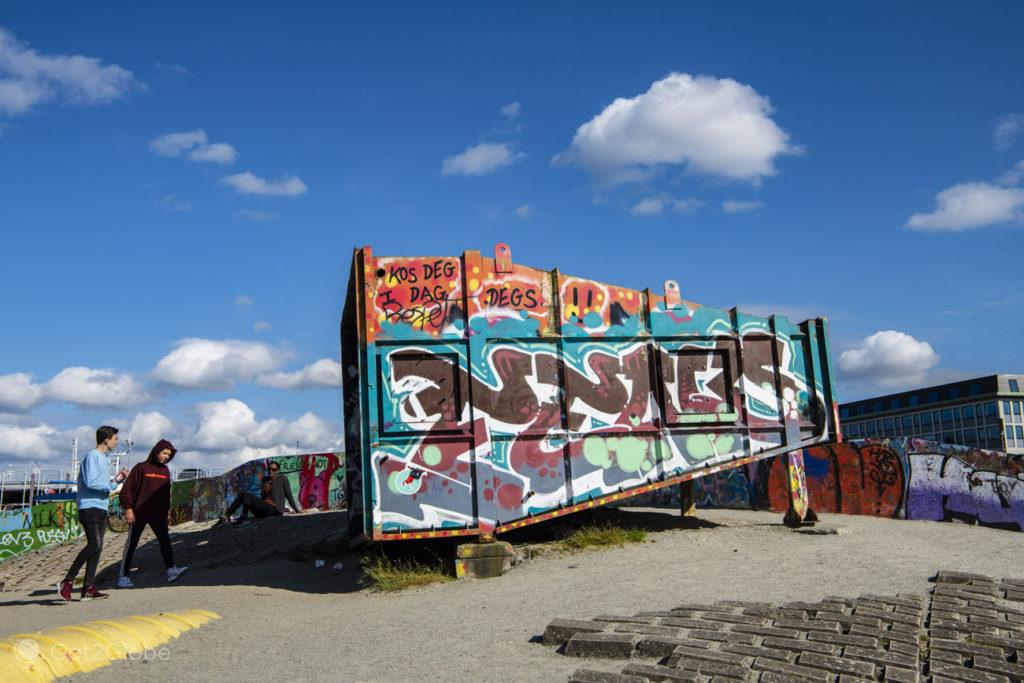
481,395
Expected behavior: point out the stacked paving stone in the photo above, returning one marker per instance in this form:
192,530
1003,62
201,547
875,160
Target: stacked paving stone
974,636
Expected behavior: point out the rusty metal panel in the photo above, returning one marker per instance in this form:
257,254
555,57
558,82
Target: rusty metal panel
482,395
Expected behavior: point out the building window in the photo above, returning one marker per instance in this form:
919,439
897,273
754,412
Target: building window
947,415
1006,407
1009,434
1016,407
877,407
992,409
926,421
908,423
954,392
871,429
948,438
888,428
1019,431
896,404
968,412
956,414
914,400
861,409
1013,386
970,437
933,397
974,389
993,433
844,413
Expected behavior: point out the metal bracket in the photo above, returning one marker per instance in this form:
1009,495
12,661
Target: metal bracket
672,294
502,258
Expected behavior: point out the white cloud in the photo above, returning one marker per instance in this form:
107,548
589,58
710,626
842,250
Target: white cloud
711,126
247,183
324,373
741,206
94,388
524,212
228,434
196,144
28,78
262,326
257,216
1007,130
18,392
655,205
148,428
173,203
887,359
971,205
512,111
217,364
244,301
481,159
1015,176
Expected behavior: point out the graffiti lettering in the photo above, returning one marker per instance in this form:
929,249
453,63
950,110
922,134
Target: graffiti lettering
503,296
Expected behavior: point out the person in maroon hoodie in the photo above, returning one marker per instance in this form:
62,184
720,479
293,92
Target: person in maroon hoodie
146,498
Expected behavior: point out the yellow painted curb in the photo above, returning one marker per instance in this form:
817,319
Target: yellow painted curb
67,650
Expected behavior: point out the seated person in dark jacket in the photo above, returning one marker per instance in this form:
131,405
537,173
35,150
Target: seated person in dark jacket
274,491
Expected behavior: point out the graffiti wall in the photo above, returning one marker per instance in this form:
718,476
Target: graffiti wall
317,481
899,478
30,528
486,394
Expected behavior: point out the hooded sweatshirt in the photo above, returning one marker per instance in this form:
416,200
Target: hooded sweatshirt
147,490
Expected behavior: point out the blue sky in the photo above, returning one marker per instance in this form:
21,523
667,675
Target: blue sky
860,164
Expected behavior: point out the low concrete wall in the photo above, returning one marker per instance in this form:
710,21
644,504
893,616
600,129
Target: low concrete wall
43,524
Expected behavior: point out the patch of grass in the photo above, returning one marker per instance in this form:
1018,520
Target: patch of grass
395,575
602,536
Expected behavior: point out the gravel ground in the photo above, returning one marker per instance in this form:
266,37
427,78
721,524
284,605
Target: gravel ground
287,621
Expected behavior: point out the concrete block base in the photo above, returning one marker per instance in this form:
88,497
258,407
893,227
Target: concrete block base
482,560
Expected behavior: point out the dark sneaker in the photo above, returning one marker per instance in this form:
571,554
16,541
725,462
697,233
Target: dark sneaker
92,594
64,590
241,520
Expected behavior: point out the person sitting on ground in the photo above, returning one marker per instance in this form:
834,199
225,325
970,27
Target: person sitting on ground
274,491
146,498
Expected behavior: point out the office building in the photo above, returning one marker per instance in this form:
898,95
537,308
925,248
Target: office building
985,412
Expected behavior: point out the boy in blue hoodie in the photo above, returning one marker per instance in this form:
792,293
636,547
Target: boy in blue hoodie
94,487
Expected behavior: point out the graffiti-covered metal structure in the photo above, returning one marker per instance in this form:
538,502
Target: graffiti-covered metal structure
481,395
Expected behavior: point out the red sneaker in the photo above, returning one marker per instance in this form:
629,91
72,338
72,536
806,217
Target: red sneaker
92,594
64,590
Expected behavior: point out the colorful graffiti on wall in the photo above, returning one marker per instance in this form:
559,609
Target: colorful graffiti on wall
317,482
481,394
899,478
30,528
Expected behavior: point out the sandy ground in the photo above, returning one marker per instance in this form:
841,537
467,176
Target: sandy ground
287,621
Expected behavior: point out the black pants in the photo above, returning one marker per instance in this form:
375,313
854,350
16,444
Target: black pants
163,537
94,523
252,504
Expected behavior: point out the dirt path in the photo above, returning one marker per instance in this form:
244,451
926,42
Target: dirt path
289,621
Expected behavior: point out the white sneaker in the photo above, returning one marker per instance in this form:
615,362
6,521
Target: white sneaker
174,572
125,582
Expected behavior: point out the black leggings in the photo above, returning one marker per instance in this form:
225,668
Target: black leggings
159,528
94,523
252,504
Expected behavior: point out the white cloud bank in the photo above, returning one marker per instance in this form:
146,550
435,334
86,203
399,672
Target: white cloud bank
970,205
195,145
711,126
481,159
217,364
84,387
324,373
888,359
28,78
247,183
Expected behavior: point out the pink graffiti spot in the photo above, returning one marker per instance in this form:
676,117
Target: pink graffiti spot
451,491
543,471
553,474
488,494
462,466
510,496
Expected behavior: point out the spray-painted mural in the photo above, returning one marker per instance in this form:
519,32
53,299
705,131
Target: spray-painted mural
481,395
899,478
317,482
43,524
